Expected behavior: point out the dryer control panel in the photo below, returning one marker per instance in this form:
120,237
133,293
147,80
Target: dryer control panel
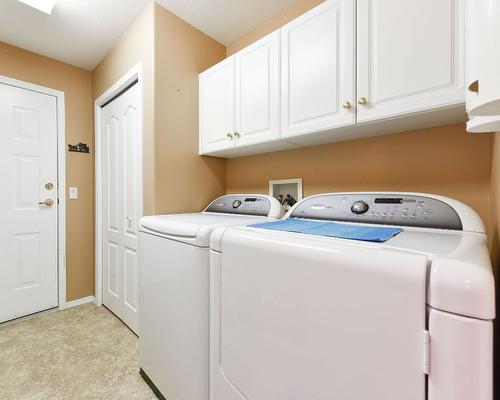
241,204
386,209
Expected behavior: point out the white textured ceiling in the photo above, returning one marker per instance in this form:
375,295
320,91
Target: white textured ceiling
226,20
81,32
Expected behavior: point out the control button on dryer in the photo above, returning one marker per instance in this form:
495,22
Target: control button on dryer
359,207
236,203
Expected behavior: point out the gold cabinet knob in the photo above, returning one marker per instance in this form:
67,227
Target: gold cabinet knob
362,101
229,135
236,134
46,202
347,105
474,87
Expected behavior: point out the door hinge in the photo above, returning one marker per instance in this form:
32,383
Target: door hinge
427,353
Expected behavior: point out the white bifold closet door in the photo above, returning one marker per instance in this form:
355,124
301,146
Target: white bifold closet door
28,228
121,204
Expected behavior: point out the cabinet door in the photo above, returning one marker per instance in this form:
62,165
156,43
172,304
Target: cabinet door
410,56
483,58
217,107
318,69
257,91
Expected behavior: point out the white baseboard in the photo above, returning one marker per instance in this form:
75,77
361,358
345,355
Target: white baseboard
79,302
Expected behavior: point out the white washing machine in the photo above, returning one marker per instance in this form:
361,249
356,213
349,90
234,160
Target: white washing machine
297,315
174,292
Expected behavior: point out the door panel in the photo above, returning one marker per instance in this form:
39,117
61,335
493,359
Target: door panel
217,107
112,178
131,202
131,278
122,204
318,69
28,233
410,56
257,91
28,263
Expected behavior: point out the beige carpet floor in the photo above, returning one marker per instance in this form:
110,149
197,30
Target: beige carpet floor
80,353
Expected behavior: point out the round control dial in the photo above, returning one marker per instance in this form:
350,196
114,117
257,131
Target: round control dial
359,207
236,203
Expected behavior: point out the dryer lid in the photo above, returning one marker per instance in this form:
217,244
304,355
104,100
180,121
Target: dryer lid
195,228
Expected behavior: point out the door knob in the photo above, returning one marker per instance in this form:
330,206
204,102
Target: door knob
229,135
46,202
347,105
129,220
236,134
362,101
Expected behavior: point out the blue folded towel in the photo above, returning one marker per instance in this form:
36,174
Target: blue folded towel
331,229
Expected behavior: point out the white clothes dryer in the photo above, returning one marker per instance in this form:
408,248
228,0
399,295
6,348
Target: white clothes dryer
298,315
174,292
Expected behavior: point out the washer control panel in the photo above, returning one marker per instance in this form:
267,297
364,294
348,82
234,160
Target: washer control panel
386,209
241,204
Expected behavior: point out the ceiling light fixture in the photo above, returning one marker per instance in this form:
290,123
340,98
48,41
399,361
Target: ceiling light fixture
45,6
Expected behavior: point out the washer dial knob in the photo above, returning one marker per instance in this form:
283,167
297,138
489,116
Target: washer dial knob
236,203
359,207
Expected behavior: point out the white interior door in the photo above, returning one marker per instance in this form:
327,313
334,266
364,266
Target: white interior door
318,69
257,91
410,56
28,230
217,107
122,204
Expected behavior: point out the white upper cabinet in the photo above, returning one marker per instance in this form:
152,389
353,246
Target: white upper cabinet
410,56
257,91
344,70
318,69
483,60
216,87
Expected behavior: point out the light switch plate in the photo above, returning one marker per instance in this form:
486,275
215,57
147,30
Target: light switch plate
73,193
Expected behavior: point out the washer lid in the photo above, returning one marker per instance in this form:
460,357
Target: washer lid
193,228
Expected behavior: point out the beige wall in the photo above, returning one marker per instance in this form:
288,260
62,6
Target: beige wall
184,180
444,160
297,9
135,46
76,85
